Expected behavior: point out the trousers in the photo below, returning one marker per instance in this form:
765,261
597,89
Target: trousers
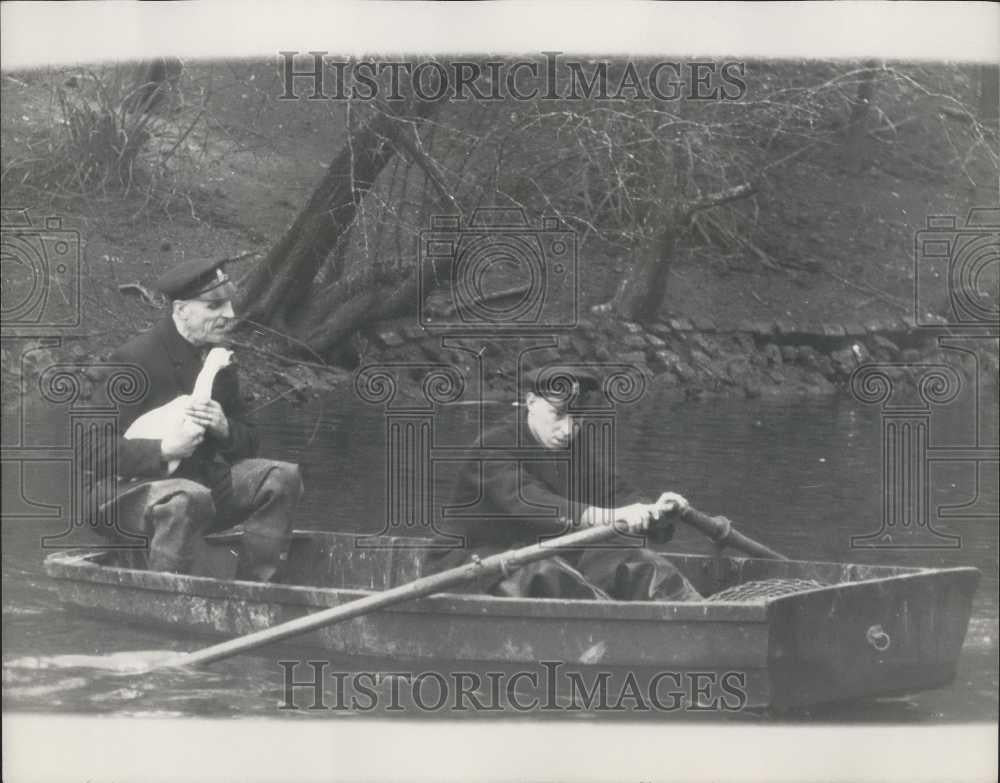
174,514
594,574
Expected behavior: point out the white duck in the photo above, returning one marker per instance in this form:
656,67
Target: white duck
155,424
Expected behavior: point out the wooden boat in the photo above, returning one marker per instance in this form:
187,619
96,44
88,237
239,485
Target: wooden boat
868,631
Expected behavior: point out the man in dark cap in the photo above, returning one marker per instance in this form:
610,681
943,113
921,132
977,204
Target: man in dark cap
542,474
218,482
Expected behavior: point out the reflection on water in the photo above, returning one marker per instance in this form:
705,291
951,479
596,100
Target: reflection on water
802,477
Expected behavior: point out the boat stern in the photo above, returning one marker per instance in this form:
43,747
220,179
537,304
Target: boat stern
881,637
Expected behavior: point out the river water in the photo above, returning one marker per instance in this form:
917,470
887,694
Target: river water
802,476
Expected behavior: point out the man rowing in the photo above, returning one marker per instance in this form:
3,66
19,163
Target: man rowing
199,474
535,476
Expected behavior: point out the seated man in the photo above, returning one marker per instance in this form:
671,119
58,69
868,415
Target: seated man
500,500
217,483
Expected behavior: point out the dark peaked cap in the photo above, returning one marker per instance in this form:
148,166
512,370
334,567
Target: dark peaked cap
560,382
200,278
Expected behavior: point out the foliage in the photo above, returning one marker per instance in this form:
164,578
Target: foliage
643,177
602,165
105,132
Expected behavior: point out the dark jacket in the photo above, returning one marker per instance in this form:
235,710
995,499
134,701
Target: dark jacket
170,365
509,496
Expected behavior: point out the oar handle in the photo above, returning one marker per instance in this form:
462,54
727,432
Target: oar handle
721,531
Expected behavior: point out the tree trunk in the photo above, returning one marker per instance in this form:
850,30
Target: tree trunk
989,95
281,285
153,84
372,305
855,145
645,285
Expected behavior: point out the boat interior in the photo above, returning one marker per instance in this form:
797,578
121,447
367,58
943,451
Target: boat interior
379,562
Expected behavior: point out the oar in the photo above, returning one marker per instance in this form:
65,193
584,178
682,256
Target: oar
428,585
721,531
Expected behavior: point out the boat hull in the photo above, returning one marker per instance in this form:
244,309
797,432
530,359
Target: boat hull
806,648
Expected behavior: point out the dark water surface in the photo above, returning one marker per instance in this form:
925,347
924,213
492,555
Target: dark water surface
801,476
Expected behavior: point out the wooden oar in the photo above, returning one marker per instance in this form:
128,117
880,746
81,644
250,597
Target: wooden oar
719,529
427,585
722,533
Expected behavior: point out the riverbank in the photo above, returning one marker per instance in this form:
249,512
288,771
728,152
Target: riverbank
680,359
694,358
827,283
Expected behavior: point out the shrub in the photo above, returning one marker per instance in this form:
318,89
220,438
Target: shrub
105,130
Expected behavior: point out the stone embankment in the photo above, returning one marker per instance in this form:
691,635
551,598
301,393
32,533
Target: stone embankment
683,358
695,357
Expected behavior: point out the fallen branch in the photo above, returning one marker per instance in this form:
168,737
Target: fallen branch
491,297
790,156
722,197
763,257
425,164
957,114
284,359
868,289
183,136
152,298
732,236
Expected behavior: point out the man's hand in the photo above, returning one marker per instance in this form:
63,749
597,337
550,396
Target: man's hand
634,518
181,442
639,516
210,416
671,502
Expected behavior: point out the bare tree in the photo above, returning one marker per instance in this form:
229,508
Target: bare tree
855,144
647,179
989,94
279,288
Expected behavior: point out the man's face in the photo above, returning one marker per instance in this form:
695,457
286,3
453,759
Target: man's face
550,421
205,322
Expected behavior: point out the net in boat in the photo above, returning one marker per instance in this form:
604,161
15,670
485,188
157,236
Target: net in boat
764,588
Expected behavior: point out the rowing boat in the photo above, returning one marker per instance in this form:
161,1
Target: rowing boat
839,632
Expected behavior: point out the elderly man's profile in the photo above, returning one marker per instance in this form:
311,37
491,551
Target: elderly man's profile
190,467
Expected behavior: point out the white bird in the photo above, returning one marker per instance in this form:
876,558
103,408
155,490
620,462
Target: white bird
157,423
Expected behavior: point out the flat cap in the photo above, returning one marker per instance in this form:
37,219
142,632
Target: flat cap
560,382
200,278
